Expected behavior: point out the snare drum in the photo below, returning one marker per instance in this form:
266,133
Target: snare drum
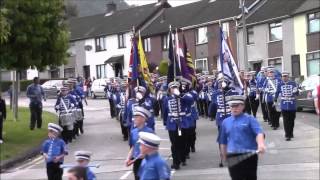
66,119
77,113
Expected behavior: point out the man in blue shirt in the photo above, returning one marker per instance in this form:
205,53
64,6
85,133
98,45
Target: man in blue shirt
140,115
35,93
153,167
83,159
54,150
287,90
241,136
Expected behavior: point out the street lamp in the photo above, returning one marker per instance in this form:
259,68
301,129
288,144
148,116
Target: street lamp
245,53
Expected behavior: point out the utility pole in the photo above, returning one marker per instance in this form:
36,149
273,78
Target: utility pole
244,31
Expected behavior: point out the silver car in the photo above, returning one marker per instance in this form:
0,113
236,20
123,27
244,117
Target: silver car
52,87
305,98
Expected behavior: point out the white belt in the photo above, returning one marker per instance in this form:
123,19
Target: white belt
177,114
288,98
222,110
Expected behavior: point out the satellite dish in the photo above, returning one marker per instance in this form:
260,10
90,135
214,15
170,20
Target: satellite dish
87,47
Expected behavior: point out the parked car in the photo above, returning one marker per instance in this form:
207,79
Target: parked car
305,99
97,88
52,87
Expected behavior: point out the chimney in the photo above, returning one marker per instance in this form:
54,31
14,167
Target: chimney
111,7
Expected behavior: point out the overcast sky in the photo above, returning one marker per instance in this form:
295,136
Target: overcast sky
172,2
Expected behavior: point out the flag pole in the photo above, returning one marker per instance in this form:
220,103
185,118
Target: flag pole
174,58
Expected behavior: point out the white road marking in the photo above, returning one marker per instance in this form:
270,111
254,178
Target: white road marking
125,176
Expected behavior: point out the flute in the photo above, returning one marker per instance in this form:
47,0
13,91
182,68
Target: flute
74,165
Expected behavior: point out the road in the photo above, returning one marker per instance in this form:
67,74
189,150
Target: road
297,159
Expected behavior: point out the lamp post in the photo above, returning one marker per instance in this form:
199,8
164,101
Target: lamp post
244,25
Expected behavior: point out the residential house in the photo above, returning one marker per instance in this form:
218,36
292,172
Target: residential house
285,34
200,23
101,44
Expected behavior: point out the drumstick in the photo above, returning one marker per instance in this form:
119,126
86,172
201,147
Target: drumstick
131,162
74,165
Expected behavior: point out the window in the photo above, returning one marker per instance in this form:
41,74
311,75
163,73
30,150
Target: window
101,71
250,35
69,72
202,64
121,41
276,63
165,42
314,22
147,45
201,35
100,44
313,63
275,31
225,29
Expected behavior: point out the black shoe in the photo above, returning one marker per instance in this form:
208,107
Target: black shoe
220,164
125,138
291,136
265,120
193,149
288,139
184,163
175,166
274,128
187,156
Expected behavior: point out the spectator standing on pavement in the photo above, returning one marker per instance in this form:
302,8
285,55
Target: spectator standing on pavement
3,116
35,93
54,150
241,136
316,96
153,166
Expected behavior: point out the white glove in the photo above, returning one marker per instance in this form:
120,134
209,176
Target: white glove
257,96
295,89
57,106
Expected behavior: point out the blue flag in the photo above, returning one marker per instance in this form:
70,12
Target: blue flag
227,65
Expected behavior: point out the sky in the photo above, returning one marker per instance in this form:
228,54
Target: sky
172,2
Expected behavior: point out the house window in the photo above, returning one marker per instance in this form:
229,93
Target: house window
276,63
100,44
225,29
201,35
69,72
202,64
314,22
250,35
147,45
313,63
101,71
165,42
121,41
275,31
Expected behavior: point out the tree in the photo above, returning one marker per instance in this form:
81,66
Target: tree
163,67
38,36
71,10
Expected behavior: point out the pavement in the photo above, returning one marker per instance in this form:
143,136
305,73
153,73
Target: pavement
297,159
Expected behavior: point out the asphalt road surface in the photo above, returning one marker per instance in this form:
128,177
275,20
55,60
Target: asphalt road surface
297,159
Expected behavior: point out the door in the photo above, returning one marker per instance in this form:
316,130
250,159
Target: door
86,71
257,66
295,62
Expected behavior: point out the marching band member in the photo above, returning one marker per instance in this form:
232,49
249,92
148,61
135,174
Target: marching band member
270,87
153,165
176,118
252,102
134,157
54,149
64,104
287,90
83,159
223,109
120,106
261,78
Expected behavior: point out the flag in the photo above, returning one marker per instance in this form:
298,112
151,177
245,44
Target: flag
227,65
130,61
185,75
173,69
144,69
189,62
135,61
